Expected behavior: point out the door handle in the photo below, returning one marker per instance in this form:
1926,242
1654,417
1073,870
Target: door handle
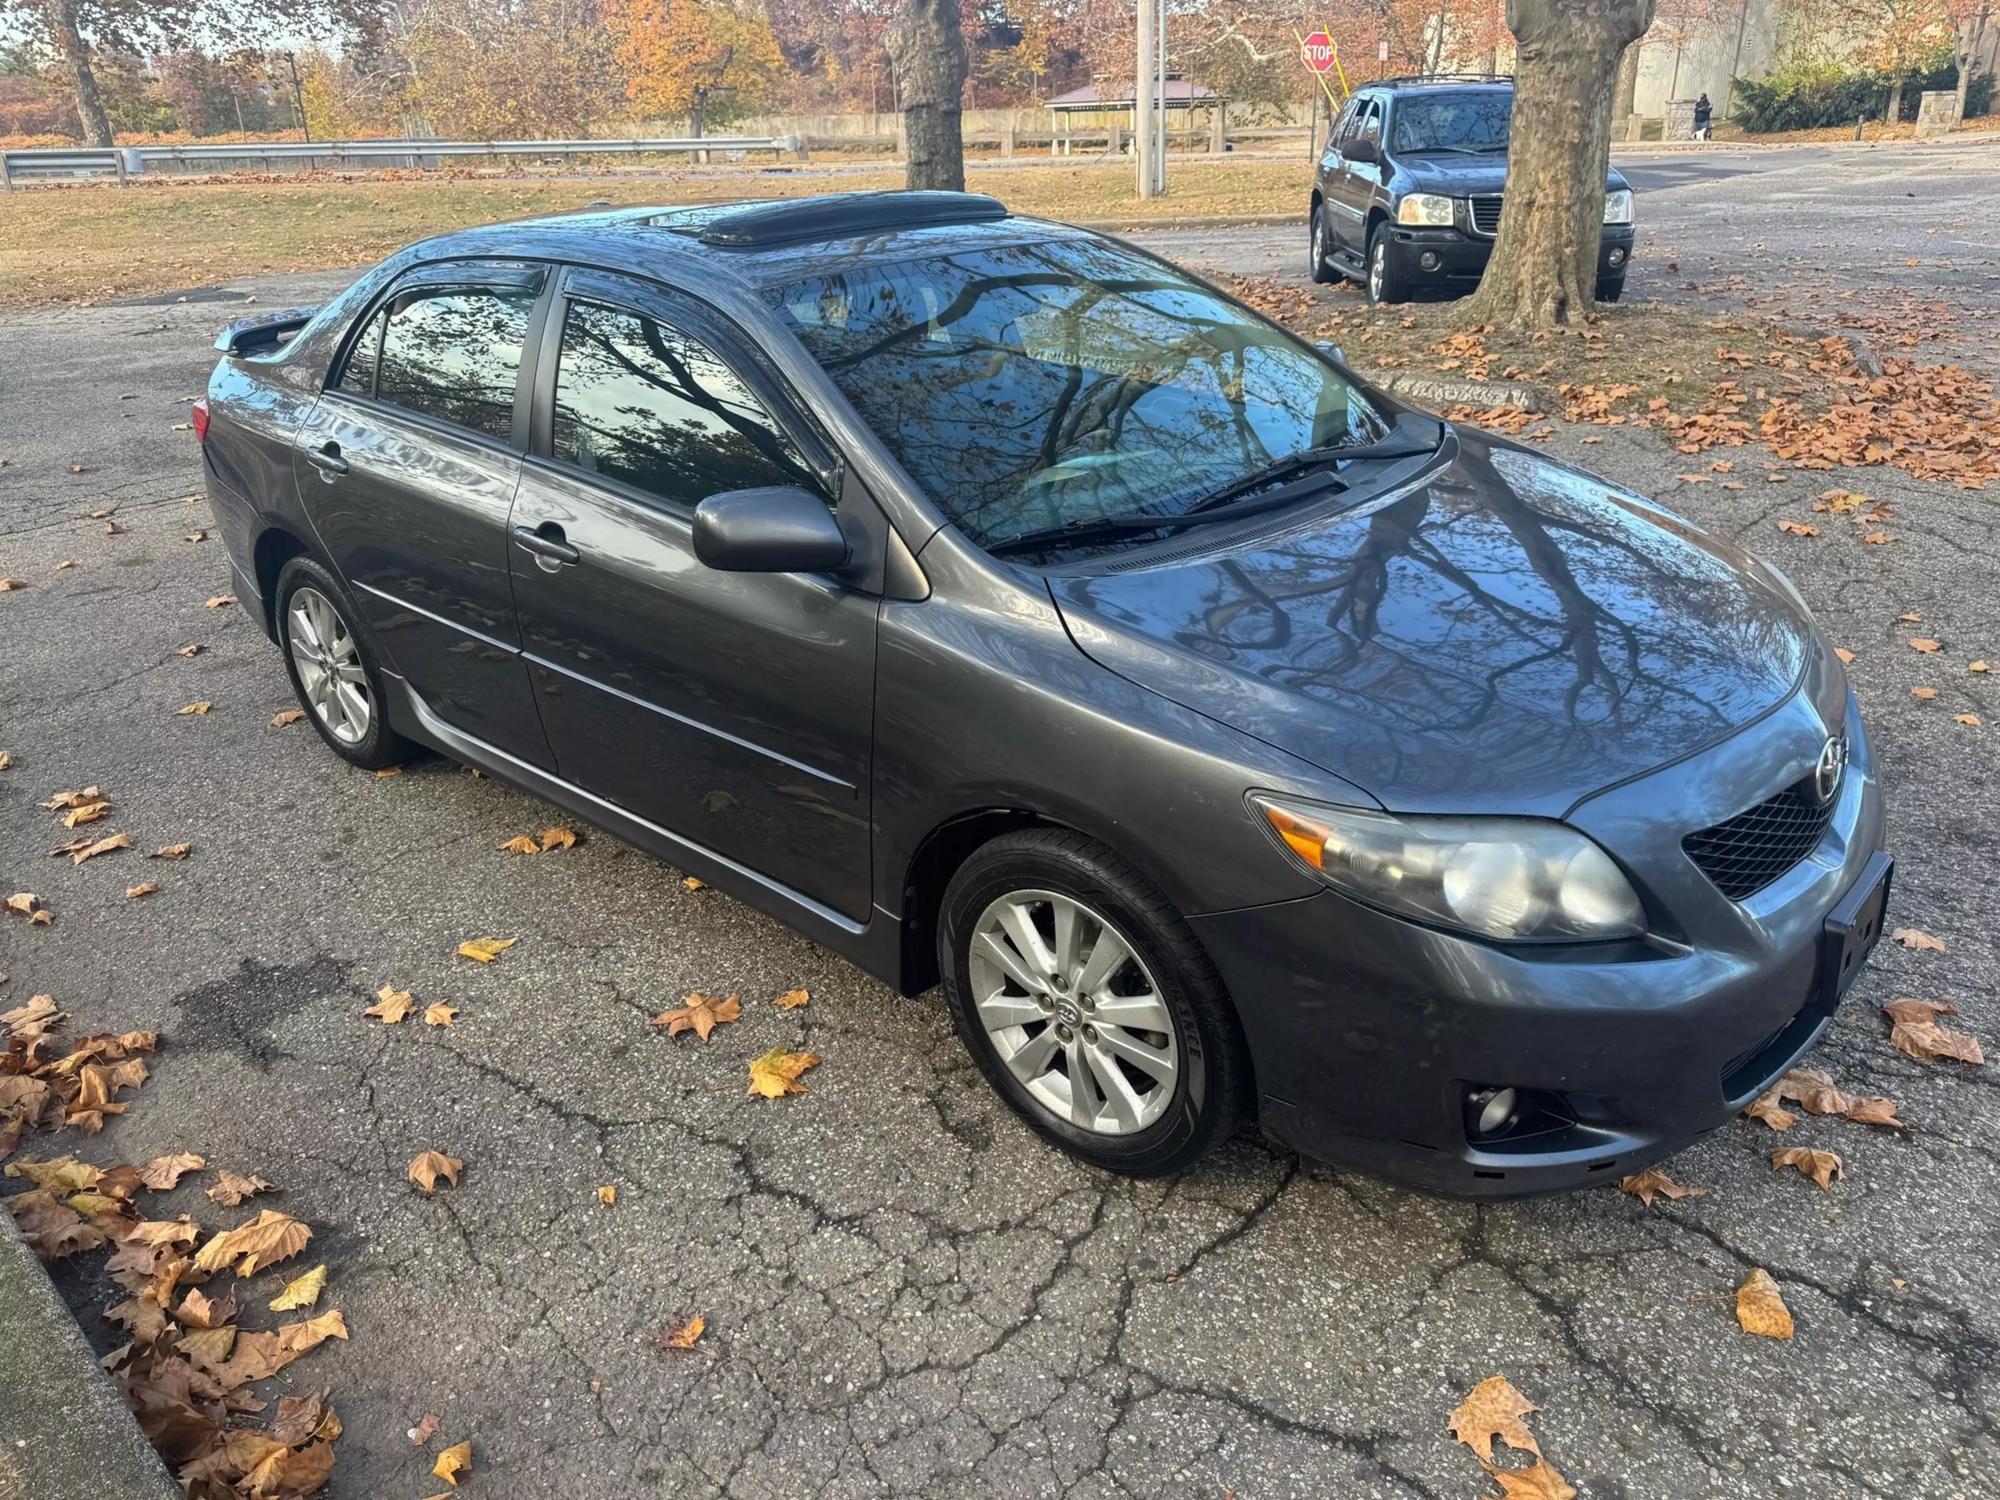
326,458
547,544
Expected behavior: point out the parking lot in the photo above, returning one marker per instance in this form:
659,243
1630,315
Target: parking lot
904,1291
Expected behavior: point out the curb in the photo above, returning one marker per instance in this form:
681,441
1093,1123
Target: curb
65,1432
1429,391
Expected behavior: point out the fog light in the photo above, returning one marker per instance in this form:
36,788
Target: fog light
1616,257
1491,1111
1429,260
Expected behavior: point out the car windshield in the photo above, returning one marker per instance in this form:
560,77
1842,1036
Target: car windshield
1460,120
1029,387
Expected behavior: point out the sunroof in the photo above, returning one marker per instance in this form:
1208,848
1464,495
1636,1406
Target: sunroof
784,221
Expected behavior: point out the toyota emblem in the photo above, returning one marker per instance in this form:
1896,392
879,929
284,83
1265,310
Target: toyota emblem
1831,768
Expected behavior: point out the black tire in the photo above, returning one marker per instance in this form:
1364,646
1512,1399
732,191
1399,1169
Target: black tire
380,746
1610,289
1316,258
1211,1092
1388,288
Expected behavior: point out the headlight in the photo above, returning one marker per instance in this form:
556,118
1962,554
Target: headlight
1426,208
1618,206
1507,878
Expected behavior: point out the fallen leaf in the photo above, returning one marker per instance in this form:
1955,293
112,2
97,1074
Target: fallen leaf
286,716
1539,1481
1924,693
1970,721
219,600
27,904
1874,1110
485,950
1915,1032
162,1172
1909,617
793,999
195,709
102,846
1917,940
1798,528
173,851
686,1335
1846,656
425,1430
302,1291
1978,666
65,565
608,1195
1652,1183
437,1013
1760,1308
8,585
558,838
1919,643
1493,1410
75,799
6,760
692,884
143,888
1821,1166
262,1241
701,1014
429,1167
231,1188
454,1461
520,844
390,1006
90,812
387,771
198,1311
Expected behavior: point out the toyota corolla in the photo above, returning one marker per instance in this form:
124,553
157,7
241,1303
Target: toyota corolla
1008,609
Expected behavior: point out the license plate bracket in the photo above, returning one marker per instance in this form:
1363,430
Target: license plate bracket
1854,928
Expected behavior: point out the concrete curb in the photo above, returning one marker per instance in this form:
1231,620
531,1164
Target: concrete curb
1430,391
65,1432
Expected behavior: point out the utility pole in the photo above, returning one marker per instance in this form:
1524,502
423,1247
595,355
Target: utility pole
298,97
1145,140
1736,63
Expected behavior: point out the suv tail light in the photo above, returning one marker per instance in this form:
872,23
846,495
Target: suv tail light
199,414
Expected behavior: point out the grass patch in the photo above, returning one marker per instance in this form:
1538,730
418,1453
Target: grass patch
94,242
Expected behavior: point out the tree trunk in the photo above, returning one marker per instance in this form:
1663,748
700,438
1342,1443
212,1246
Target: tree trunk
927,51
1895,109
83,82
1968,37
1543,273
1627,96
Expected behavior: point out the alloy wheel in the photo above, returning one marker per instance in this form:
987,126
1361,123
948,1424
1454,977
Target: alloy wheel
328,662
1318,241
1378,271
1073,1012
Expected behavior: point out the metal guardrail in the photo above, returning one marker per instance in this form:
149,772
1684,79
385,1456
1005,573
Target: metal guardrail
124,162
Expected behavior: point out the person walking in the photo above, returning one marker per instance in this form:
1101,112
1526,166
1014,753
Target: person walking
1703,114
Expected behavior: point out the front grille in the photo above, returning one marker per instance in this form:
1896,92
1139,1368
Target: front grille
1752,849
1486,215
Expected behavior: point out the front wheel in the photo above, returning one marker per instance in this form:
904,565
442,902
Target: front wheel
1610,289
1089,1004
331,668
1317,247
1384,285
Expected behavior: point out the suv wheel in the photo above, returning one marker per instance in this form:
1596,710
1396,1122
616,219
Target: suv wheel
1384,285
1318,267
1610,288
1089,1004
332,669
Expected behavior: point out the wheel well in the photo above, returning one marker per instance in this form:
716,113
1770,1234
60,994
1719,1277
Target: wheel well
275,547
943,850
1376,215
1316,199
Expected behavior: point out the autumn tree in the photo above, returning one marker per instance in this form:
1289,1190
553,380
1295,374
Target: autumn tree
1543,273
705,59
926,43
1896,36
512,69
1973,24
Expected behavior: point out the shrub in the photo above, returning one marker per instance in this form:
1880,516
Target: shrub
1813,96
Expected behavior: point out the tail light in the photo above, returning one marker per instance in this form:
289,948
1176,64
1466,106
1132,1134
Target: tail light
199,413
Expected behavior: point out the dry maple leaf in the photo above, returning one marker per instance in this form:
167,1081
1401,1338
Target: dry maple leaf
454,1461
1539,1481
302,1291
425,1430
28,904
231,1188
90,812
1846,656
1874,1110
1970,721
1978,666
430,1166
692,884
437,1013
557,838
196,709
8,585
608,1195
218,601
776,1073
1653,1183
286,716
520,844
1760,1309
1493,1410
173,851
485,950
685,1335
1798,528
75,799
700,1014
197,1310
193,650
163,1172
262,1241
102,846
143,888
793,999
7,759
1915,1032
1925,693
391,1005
1920,643
1917,940
1821,1166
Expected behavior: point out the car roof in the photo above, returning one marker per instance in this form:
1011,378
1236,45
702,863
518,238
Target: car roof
1440,82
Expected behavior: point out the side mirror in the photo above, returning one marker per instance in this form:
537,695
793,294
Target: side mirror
1331,350
782,529
1361,149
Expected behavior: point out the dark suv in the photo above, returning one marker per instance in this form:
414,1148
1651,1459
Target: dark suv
1407,194
1000,604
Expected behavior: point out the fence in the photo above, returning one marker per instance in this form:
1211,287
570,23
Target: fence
124,162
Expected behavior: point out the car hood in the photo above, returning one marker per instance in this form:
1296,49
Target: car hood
1506,634
1457,176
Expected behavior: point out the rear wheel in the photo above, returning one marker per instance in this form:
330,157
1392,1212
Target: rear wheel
331,668
1089,1004
1318,263
1384,285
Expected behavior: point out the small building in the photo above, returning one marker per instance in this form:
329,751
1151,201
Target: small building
1108,108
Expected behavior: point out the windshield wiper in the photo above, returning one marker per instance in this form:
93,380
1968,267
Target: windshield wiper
1226,504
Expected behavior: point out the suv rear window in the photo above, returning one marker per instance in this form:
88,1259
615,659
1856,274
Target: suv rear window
454,355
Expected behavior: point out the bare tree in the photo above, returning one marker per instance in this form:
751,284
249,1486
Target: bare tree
927,51
1543,273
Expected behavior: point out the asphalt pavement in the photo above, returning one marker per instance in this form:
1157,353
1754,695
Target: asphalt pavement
905,1293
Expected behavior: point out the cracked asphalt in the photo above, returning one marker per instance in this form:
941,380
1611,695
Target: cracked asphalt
905,1293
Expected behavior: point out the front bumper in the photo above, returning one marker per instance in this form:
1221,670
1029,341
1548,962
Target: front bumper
1368,1031
1433,257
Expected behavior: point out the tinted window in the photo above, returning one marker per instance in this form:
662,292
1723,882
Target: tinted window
359,374
1029,386
639,401
455,355
1465,120
1370,126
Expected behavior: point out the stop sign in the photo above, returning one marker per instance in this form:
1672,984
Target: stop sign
1317,52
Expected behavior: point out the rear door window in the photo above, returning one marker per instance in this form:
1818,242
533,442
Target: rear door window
357,377
454,354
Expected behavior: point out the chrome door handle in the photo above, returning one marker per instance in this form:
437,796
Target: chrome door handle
326,458
546,543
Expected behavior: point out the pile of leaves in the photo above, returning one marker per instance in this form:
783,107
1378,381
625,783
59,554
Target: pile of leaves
1938,422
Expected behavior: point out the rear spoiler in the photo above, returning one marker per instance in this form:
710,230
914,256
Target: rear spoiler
264,330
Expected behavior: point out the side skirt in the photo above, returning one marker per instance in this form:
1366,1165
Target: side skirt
874,946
